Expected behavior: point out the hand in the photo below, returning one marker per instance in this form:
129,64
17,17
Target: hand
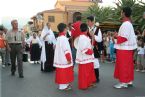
9,49
45,36
22,50
68,62
115,34
92,35
54,46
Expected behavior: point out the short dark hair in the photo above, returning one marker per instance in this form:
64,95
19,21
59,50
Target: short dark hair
91,18
79,18
69,24
1,27
84,27
127,11
61,27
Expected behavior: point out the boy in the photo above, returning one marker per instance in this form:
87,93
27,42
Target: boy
97,43
85,59
63,60
2,47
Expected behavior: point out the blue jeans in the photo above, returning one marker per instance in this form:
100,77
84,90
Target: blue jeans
74,54
112,55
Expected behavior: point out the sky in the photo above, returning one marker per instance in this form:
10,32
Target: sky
28,8
25,9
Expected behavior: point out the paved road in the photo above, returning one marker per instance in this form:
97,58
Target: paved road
38,84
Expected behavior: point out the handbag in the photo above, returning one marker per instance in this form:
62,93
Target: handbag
25,57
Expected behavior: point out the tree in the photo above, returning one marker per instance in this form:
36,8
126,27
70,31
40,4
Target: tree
101,13
137,6
113,14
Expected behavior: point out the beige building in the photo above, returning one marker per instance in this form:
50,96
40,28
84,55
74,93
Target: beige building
65,11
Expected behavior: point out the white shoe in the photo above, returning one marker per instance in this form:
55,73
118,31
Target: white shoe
3,66
120,86
142,70
137,70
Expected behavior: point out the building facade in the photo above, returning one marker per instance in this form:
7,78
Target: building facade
65,11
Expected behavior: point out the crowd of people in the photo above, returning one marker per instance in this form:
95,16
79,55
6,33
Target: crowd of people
78,43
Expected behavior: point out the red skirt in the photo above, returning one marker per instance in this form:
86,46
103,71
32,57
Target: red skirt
86,75
64,75
124,68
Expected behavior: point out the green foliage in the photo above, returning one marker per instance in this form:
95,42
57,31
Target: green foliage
113,14
101,13
137,6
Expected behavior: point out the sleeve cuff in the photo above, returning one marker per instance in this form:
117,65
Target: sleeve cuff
121,39
68,56
89,52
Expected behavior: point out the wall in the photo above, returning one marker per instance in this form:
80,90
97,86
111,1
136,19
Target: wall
59,17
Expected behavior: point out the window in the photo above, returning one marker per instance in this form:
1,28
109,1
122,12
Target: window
51,19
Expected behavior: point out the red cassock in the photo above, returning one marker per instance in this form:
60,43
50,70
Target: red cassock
124,68
86,75
64,75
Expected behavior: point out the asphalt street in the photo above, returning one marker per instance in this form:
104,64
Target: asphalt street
38,84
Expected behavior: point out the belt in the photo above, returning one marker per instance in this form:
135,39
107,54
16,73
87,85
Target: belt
2,48
15,43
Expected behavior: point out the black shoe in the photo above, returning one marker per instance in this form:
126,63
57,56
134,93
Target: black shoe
13,73
130,85
9,64
98,80
21,76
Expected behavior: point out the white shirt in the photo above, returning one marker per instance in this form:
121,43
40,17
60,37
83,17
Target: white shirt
31,39
98,38
141,50
126,30
62,48
84,43
50,38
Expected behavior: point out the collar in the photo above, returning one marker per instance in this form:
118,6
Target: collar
83,33
126,19
91,28
61,34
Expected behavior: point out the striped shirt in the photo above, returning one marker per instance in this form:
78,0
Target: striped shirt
14,37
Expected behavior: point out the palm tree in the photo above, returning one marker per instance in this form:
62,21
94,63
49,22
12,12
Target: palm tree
101,13
112,14
137,6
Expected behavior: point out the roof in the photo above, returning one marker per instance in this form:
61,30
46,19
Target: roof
52,10
33,17
75,3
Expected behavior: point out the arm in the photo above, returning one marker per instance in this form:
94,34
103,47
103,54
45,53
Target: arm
68,57
28,41
39,42
121,39
6,41
23,40
124,33
7,45
66,50
53,38
83,46
45,36
89,52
